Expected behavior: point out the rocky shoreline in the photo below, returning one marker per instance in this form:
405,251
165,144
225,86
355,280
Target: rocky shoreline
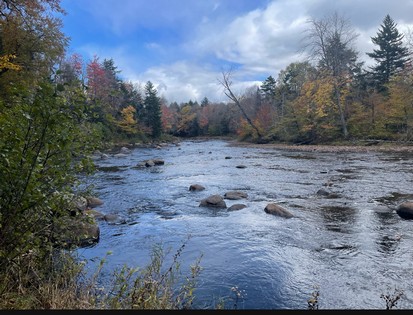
375,147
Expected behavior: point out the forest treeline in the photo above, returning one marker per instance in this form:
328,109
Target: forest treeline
56,109
331,96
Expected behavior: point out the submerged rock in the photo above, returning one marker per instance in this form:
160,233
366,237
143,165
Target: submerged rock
114,219
405,210
237,206
196,187
277,210
327,194
120,155
214,201
150,163
93,202
235,195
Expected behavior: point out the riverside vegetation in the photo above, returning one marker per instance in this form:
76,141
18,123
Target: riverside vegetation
53,117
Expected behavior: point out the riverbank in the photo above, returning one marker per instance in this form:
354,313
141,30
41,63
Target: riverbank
368,147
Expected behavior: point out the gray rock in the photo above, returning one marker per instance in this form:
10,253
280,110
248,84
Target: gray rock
120,155
237,206
124,150
327,194
214,201
149,163
196,187
405,210
235,195
93,202
158,162
114,219
277,210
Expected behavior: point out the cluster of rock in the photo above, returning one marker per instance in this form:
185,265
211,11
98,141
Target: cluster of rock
218,202
150,163
81,227
125,150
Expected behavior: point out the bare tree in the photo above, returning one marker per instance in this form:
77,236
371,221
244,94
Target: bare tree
226,83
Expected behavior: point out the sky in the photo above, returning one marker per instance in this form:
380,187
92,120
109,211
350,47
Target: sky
183,46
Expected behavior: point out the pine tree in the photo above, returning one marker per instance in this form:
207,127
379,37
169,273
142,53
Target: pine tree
391,56
268,87
152,105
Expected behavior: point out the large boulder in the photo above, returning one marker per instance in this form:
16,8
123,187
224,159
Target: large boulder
213,201
196,187
235,195
405,210
277,210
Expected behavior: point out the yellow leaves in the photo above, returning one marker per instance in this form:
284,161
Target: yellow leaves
128,122
7,64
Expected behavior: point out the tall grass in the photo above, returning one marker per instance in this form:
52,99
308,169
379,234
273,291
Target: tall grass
66,286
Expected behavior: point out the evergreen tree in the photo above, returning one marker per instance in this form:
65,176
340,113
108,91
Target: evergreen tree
153,110
391,56
205,102
268,88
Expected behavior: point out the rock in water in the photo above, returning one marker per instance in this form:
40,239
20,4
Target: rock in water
196,187
214,201
405,210
277,210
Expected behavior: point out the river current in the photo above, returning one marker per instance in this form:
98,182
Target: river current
351,245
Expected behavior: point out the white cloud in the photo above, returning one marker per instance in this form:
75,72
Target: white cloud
261,42
183,81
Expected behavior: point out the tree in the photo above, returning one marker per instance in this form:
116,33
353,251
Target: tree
268,88
226,83
204,102
330,42
391,56
153,112
31,39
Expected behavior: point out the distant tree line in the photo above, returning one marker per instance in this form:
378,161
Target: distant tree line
332,96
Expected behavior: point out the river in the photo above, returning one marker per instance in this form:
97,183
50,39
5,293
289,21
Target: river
351,245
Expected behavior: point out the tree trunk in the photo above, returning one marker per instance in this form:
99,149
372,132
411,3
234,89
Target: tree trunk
226,83
341,112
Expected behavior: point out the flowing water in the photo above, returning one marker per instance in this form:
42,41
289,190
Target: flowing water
351,244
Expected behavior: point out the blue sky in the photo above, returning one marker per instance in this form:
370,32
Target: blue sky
182,46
